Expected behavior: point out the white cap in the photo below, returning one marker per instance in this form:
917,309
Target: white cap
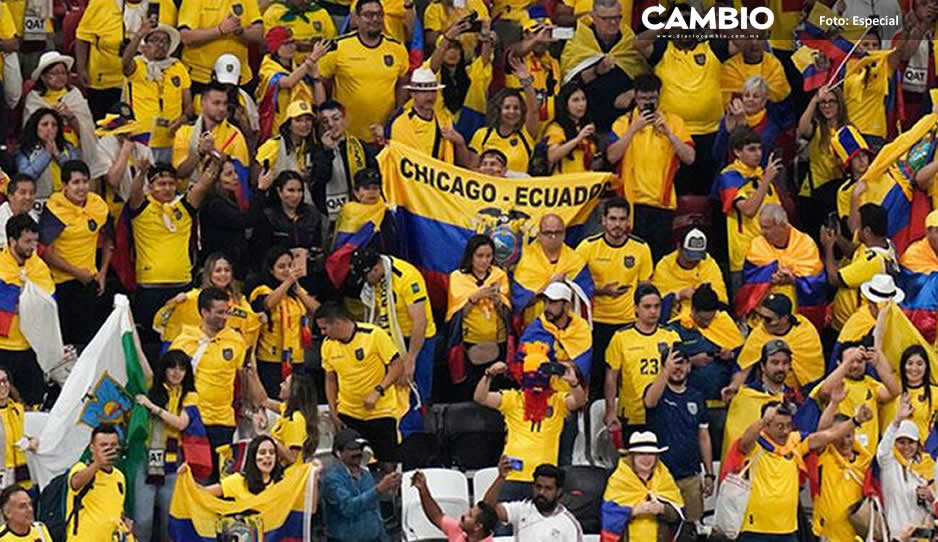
882,288
558,291
423,79
695,245
228,69
908,429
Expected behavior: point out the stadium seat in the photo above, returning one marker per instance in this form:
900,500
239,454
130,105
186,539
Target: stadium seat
590,538
482,480
450,489
473,436
601,451
326,431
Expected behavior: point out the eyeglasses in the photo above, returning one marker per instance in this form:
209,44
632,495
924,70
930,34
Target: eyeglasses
553,234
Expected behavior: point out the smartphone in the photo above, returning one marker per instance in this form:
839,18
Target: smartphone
833,221
459,4
300,257
153,11
663,350
561,32
867,341
923,532
648,109
266,165
552,368
515,463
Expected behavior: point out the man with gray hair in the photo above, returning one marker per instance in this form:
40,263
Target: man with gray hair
782,260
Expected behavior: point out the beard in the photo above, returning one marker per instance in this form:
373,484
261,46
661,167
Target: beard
678,381
543,505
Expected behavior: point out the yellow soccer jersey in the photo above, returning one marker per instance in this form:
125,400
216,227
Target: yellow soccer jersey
37,531
517,146
196,14
638,359
423,135
534,443
694,73
162,232
865,263
282,338
627,264
101,507
408,288
773,503
156,104
290,431
360,364
216,365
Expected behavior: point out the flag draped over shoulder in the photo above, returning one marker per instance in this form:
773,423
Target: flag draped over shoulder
438,206
100,389
357,225
624,491
283,511
462,286
744,410
918,278
541,340
583,51
534,271
801,258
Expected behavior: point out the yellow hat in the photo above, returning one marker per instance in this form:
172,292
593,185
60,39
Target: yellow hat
119,120
931,221
530,25
298,109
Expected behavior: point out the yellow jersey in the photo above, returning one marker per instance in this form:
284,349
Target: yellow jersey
517,145
438,17
14,430
7,28
742,229
670,277
281,339
547,77
216,362
695,72
807,355
228,140
840,485
408,288
864,263
357,71
652,161
736,71
637,357
78,228
102,26
579,160
162,233
864,392
269,151
196,14
101,508
424,135
773,503
823,164
628,264
310,25
53,97
534,443
169,322
924,410
290,431
176,403
37,531
12,273
235,487
865,91
156,104
301,91
360,364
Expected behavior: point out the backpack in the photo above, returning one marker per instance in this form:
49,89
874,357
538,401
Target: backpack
52,506
583,490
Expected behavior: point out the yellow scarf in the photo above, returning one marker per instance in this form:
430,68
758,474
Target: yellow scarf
923,465
584,46
754,120
744,170
626,489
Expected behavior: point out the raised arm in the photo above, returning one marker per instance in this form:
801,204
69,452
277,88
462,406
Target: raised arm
751,205
492,493
817,441
430,507
482,395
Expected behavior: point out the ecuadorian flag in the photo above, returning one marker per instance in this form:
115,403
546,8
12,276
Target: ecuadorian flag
282,512
9,306
918,278
356,227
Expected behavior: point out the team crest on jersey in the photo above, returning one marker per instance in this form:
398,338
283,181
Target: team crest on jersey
317,26
92,224
700,59
692,408
177,214
629,262
176,81
415,288
513,142
388,60
227,353
549,413
237,9
359,354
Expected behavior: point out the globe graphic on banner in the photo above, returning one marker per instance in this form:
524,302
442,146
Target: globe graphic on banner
507,245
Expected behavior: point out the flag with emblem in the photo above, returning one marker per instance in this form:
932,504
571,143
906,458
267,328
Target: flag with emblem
100,390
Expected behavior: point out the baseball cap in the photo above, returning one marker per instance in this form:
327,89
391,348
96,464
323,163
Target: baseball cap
694,247
931,221
276,37
228,69
778,303
774,347
367,177
346,439
298,109
908,429
558,291
363,260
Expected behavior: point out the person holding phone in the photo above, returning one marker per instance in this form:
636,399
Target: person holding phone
571,136
284,80
99,487
652,145
308,22
533,50
618,262
749,109
211,28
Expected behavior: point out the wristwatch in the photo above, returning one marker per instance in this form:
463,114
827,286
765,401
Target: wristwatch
380,389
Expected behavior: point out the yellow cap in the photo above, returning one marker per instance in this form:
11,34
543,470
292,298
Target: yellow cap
931,221
530,25
298,109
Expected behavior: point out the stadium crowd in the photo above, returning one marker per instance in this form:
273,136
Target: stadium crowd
748,316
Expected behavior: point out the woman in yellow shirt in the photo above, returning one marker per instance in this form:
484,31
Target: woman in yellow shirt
261,469
11,411
287,305
824,115
296,433
51,89
915,376
43,150
282,83
571,142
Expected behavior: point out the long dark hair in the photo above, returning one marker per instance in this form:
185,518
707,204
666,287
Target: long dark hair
493,116
172,358
281,180
270,259
217,187
562,110
916,349
252,475
14,393
303,399
472,245
286,138
31,140
457,83
823,125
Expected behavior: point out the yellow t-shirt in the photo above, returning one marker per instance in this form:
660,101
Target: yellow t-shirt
101,507
102,26
865,91
575,161
740,229
481,321
37,531
317,24
78,241
197,14
547,77
10,272
656,161
423,135
228,140
302,91
807,355
162,232
176,403
533,443
670,277
241,318
408,288
636,356
215,370
235,487
841,485
290,431
692,73
158,103
360,364
358,71
12,416
736,71
437,18
281,339
864,392
7,28
824,165
628,264
270,151
517,146
773,503
865,263
924,412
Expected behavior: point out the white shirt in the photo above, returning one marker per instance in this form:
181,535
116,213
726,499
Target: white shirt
530,526
899,498
6,213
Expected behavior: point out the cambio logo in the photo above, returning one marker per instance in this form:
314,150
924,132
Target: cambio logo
716,18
